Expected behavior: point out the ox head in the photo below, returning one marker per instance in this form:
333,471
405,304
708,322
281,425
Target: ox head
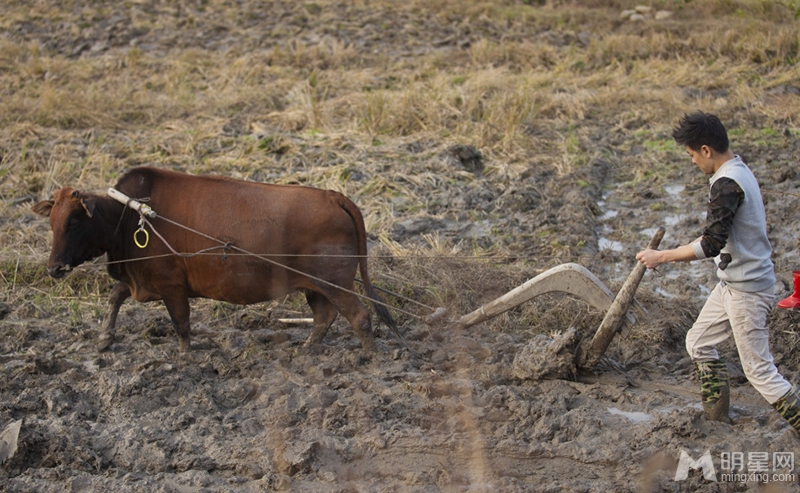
75,234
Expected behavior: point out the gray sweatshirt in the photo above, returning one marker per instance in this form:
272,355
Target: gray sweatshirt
750,267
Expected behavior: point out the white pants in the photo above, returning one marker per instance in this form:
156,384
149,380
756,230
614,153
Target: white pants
746,315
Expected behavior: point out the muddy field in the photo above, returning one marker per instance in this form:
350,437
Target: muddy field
250,408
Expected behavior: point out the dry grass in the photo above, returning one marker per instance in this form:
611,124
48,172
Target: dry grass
332,90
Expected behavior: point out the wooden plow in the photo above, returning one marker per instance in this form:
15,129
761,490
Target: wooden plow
577,281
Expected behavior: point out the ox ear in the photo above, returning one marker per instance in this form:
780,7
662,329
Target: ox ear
88,204
43,208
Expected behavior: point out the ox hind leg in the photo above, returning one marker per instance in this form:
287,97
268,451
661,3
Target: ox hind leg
324,314
119,293
178,307
357,314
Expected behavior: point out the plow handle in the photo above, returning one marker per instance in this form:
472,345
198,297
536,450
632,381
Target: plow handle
611,322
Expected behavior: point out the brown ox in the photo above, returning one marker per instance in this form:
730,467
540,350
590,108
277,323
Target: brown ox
318,234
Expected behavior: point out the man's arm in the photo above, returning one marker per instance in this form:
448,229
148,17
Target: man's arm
653,258
725,198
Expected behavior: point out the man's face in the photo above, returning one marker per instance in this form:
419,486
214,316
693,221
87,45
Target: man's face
702,158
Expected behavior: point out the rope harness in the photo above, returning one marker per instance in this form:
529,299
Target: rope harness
145,212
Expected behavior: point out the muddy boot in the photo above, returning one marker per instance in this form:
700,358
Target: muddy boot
715,389
789,407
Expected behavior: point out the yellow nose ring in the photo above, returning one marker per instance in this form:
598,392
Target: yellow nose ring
146,237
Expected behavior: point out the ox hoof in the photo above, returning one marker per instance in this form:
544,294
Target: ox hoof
105,341
369,347
312,342
311,349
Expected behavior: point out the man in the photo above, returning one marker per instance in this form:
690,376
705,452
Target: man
735,234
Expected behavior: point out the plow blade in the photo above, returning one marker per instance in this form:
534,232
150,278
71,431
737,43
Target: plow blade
569,278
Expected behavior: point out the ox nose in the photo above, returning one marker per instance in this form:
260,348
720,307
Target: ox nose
58,271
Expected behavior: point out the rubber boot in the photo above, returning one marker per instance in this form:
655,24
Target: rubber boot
789,407
715,389
792,301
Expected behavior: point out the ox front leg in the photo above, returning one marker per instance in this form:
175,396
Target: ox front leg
324,315
119,293
178,308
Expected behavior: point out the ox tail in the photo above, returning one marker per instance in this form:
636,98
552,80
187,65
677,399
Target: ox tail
377,302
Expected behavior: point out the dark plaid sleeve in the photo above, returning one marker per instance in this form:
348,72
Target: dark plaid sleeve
724,200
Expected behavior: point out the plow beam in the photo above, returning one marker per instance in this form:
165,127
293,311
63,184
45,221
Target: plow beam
569,278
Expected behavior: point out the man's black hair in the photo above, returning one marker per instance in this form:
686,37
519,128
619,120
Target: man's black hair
698,129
